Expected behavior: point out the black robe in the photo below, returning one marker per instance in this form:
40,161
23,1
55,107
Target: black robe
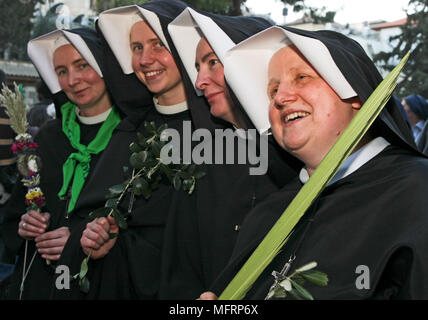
131,269
374,217
202,229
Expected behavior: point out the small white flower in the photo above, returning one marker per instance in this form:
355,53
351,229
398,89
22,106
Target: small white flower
23,136
36,189
32,165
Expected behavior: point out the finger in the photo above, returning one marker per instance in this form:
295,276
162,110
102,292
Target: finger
208,295
62,232
98,229
51,250
58,242
35,225
104,223
38,216
54,257
91,240
114,228
28,235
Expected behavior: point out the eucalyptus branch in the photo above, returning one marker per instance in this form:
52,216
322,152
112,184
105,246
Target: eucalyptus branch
146,159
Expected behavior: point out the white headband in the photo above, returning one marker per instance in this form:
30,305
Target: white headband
246,65
116,24
186,36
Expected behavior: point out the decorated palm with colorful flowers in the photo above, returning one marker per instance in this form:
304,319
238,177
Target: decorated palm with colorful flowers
28,162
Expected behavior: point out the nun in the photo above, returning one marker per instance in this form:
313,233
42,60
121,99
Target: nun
128,268
88,139
315,83
200,239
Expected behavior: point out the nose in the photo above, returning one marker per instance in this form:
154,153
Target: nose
285,94
73,78
147,56
202,81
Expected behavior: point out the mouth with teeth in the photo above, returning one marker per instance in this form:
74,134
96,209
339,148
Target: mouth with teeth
152,74
295,116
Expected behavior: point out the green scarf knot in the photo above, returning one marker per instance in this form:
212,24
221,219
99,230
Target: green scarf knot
77,166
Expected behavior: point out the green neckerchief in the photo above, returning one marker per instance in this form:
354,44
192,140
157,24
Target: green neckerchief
77,165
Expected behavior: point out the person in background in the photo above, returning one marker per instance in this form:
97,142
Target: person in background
38,113
8,177
416,107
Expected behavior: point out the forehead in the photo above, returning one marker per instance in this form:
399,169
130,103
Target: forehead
142,31
65,54
288,57
203,48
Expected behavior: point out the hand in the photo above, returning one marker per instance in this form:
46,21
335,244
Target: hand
208,295
33,224
51,244
96,237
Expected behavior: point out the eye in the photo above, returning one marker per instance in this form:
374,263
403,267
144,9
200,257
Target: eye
61,72
83,65
213,62
158,44
272,91
136,47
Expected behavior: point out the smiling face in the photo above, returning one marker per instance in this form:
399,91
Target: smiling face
306,114
155,66
80,82
211,81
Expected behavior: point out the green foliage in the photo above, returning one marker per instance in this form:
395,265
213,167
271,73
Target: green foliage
414,37
293,284
15,31
148,171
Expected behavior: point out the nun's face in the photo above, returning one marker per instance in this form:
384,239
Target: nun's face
306,114
80,82
155,66
210,80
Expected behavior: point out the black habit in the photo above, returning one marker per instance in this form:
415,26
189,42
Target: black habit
375,217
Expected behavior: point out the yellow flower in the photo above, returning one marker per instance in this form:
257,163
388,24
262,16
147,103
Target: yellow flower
33,194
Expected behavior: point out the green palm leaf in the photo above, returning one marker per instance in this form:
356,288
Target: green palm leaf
277,236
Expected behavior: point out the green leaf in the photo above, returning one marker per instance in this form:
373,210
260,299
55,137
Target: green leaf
100,212
112,235
278,235
84,268
84,285
199,174
111,203
117,189
302,291
176,182
120,219
316,277
135,147
162,128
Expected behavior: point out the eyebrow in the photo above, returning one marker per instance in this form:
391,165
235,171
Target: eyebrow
205,57
74,62
149,40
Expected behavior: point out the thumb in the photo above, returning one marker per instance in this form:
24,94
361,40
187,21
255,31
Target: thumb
114,228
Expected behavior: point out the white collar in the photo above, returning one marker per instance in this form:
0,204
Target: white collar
354,161
176,108
94,119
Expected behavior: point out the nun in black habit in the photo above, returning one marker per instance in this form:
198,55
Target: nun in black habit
366,218
131,268
77,149
201,235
